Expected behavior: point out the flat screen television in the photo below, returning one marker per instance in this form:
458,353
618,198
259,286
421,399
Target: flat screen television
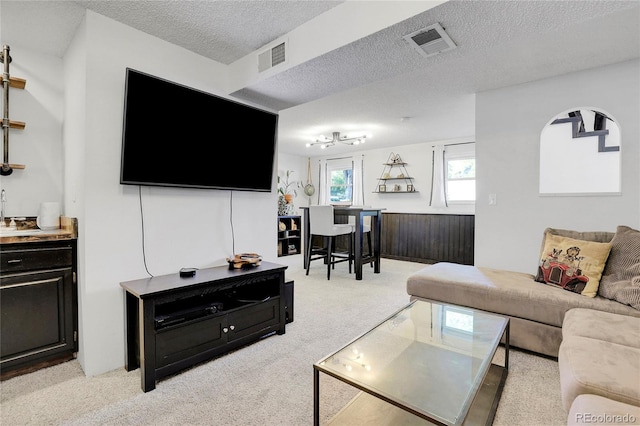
178,136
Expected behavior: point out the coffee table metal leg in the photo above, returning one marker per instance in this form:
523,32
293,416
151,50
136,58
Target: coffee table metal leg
506,346
316,397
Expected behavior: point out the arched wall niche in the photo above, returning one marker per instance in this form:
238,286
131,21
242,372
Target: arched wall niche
580,153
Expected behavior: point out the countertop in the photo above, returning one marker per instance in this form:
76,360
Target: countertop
27,231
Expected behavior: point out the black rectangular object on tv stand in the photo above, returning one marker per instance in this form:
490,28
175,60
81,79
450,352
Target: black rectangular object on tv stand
252,305
182,315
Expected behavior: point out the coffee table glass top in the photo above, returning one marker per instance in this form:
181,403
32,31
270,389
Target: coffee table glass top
428,358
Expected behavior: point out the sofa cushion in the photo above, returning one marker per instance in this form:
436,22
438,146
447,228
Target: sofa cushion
621,277
596,236
504,292
592,366
606,326
575,265
597,410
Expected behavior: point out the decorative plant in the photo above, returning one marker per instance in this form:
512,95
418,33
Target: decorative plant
286,187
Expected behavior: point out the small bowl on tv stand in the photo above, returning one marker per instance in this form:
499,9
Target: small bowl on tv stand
244,261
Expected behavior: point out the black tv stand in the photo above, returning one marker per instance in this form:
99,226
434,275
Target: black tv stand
174,322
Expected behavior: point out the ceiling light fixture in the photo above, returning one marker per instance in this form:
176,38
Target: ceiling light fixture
326,142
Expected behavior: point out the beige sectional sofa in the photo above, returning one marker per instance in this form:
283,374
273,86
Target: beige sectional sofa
596,339
598,410
599,362
536,310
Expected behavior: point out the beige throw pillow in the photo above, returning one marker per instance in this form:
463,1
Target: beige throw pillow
575,265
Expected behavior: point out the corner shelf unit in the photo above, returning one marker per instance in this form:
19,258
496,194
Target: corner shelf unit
289,235
7,83
394,178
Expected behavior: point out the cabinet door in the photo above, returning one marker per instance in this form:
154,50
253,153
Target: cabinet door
37,318
194,337
254,319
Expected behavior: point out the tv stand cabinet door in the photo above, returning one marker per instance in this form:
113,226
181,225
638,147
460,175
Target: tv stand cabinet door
254,320
177,343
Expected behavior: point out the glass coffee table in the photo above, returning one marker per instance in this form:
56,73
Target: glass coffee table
429,363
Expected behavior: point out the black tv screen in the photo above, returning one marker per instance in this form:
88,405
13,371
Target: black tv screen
174,135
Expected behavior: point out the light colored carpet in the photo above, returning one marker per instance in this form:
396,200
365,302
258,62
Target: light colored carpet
271,381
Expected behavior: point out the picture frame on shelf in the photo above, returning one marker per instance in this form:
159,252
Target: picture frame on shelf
382,188
409,188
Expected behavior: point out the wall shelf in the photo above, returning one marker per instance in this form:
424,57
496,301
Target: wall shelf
395,192
7,83
16,83
20,125
395,173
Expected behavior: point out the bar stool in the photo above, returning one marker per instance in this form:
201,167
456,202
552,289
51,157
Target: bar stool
322,223
366,230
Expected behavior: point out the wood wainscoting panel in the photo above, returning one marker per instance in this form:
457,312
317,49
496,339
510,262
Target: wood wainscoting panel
428,238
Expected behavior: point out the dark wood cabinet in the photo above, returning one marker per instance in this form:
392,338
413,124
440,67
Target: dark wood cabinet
176,322
428,238
38,305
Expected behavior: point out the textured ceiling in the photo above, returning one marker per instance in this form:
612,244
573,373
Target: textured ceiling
371,83
221,30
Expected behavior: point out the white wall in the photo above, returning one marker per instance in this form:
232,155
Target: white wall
40,106
182,227
74,136
508,126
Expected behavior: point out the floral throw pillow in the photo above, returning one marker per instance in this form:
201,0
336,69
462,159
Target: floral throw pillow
575,265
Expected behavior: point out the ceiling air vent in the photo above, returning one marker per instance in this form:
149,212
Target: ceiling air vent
430,41
272,57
